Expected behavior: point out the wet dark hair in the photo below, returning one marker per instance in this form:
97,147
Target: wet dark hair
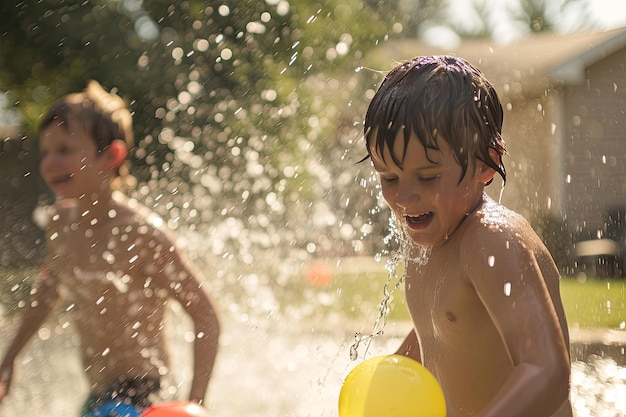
103,116
434,97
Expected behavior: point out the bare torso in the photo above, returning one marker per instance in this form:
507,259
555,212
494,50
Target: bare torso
460,342
117,308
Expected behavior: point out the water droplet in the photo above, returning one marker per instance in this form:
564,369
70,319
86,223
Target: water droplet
108,257
44,333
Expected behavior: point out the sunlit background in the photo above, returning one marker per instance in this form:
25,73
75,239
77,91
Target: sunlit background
248,118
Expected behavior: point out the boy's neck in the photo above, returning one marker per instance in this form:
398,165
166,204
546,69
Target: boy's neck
473,209
92,209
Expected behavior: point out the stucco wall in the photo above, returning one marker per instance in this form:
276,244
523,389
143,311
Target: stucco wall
595,144
532,163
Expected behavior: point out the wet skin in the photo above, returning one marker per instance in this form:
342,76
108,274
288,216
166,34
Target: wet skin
486,309
116,268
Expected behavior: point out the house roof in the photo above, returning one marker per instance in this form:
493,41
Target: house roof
535,62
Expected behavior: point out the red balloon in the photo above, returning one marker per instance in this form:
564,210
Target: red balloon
175,409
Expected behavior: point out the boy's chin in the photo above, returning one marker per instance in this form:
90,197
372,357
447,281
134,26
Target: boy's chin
421,238
64,197
415,239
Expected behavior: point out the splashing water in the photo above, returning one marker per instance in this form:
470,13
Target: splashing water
501,192
361,68
408,251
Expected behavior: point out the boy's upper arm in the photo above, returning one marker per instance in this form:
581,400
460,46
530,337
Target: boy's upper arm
46,285
508,279
181,279
411,347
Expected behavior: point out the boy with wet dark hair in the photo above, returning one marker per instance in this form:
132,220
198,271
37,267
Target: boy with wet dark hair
488,320
113,261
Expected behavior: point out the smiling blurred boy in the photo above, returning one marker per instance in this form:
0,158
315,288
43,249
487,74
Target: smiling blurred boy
116,267
488,320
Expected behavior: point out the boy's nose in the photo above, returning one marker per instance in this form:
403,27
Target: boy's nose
407,195
48,162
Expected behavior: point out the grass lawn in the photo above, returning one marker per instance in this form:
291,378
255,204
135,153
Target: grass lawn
589,304
595,302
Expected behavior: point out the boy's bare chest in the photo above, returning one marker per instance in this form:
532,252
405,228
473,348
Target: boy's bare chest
92,266
98,254
105,275
440,297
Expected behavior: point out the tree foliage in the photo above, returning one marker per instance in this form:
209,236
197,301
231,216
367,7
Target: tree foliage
242,109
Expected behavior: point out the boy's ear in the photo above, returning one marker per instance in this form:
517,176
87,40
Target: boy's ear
486,172
116,153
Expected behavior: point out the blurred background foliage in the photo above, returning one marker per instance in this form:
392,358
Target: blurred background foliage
236,105
222,95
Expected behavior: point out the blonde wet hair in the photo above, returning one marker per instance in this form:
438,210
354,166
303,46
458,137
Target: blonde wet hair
103,116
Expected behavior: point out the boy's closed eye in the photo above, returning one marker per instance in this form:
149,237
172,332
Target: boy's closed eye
63,150
429,177
423,178
388,178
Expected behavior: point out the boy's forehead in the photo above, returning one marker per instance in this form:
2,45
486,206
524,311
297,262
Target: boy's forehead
399,149
57,127
390,152
59,130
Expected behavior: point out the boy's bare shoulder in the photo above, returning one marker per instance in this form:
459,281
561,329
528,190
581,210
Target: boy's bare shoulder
493,226
140,220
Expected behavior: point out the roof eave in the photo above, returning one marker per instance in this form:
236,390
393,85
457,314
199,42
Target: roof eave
573,70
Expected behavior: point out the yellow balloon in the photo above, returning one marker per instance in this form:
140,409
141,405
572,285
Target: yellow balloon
391,386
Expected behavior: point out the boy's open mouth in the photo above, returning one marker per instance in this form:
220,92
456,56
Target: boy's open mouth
419,221
61,180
